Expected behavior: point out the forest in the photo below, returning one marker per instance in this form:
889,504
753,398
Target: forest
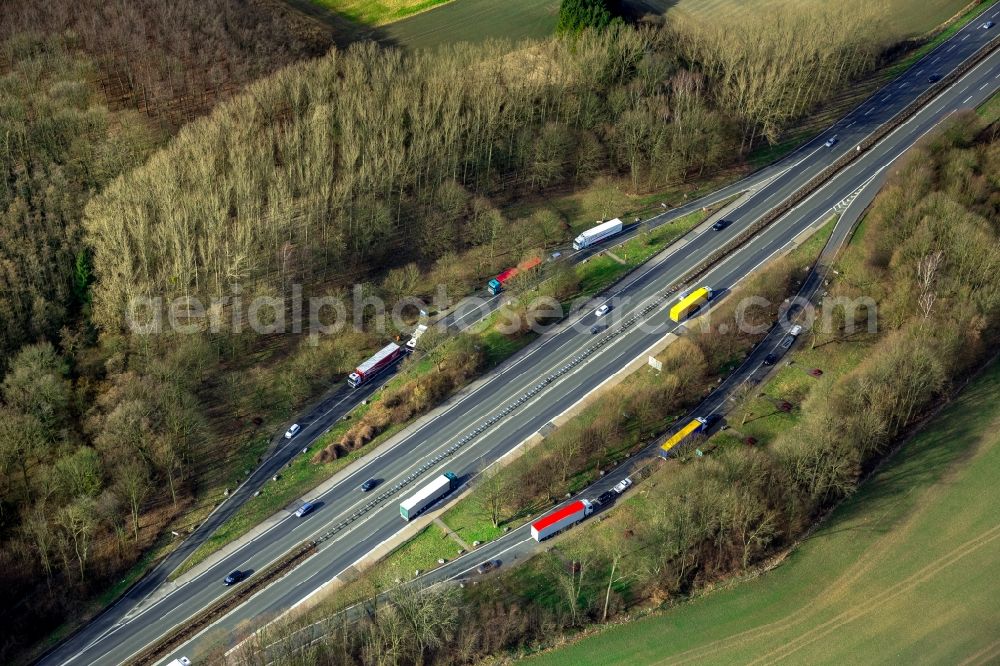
244,151
337,168
929,256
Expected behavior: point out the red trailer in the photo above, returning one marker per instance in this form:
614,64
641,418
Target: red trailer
495,285
570,514
376,364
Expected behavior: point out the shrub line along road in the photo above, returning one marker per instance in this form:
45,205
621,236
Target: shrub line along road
115,637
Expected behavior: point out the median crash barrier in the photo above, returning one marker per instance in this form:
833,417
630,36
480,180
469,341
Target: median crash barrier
258,581
826,174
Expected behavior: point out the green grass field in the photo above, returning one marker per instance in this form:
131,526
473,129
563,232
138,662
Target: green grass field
378,12
478,20
907,17
906,571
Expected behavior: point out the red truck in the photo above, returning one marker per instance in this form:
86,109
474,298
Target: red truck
570,514
495,285
376,364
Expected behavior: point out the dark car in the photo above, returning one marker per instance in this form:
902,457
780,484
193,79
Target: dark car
488,566
770,359
933,78
607,498
710,421
721,224
305,509
595,329
368,485
234,577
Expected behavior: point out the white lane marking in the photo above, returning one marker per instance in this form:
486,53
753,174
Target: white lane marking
650,268
886,98
868,111
966,101
746,275
115,628
935,60
494,557
952,48
917,73
985,84
851,123
965,38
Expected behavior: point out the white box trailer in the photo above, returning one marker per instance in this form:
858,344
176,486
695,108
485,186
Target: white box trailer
180,661
559,520
597,234
417,332
432,492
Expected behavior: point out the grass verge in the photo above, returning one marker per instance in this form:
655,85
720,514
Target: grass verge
881,578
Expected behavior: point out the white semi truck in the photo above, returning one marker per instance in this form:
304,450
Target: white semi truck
597,234
559,520
423,498
417,332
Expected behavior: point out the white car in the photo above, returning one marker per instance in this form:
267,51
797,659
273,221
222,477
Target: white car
603,310
293,431
988,25
623,485
794,331
829,142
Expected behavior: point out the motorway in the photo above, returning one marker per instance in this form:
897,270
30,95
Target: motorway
544,379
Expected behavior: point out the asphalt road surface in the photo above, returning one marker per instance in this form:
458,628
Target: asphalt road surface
544,379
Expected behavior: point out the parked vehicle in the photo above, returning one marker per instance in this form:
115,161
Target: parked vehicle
292,431
607,498
384,358
488,566
695,425
368,485
429,494
623,485
690,303
597,234
234,577
305,509
495,286
708,421
559,520
417,332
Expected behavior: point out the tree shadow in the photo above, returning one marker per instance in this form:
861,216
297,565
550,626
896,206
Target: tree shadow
343,32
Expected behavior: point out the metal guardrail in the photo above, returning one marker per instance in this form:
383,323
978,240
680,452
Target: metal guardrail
829,172
178,635
218,609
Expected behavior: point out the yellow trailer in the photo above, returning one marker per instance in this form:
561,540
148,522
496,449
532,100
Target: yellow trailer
696,425
684,307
